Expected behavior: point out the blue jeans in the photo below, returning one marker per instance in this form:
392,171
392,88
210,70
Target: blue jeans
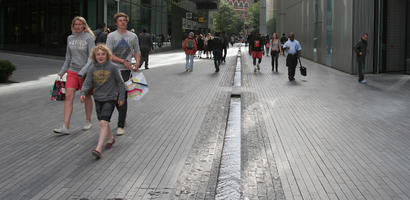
189,62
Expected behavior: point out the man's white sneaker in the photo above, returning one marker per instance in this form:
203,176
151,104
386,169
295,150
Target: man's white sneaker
62,130
120,131
87,126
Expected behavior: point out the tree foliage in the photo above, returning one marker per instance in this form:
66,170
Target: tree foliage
253,17
227,20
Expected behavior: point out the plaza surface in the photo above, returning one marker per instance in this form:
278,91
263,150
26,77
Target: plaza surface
324,136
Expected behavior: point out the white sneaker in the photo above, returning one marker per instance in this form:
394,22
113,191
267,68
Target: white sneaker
254,70
87,126
259,69
120,131
62,130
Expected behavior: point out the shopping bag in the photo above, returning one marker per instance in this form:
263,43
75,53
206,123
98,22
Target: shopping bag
136,86
303,70
58,91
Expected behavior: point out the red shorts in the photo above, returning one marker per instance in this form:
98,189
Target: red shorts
73,81
256,54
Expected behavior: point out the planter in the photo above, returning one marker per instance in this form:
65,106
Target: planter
6,69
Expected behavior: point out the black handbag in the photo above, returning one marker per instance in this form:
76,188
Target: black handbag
302,68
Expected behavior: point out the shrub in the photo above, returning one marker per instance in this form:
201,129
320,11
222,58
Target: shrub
6,69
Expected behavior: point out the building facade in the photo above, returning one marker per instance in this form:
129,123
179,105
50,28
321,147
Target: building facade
241,7
328,30
42,26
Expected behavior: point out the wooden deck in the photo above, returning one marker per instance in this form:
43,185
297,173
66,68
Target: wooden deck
322,137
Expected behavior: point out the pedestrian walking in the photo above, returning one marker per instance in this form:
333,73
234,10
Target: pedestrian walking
257,51
275,51
293,46
109,91
200,43
124,46
79,46
100,34
190,48
361,51
216,44
249,40
283,40
146,45
225,42
267,45
207,49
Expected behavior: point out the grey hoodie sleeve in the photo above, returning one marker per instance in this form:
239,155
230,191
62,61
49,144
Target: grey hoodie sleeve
88,83
91,44
120,84
67,61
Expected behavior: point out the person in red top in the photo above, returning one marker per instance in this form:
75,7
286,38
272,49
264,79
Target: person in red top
190,49
257,50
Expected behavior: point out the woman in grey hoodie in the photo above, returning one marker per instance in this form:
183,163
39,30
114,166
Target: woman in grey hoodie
79,46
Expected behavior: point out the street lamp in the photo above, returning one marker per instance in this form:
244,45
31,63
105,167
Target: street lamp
118,5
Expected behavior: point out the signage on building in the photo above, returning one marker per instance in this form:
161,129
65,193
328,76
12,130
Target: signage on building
201,19
188,15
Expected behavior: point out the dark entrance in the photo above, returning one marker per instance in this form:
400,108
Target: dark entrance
392,30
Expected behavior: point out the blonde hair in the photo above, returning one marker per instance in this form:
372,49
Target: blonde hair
101,47
121,14
86,27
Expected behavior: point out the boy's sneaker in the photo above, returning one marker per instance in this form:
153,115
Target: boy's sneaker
363,82
259,69
255,69
62,130
87,126
120,131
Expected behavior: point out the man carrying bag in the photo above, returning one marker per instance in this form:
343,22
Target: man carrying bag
293,46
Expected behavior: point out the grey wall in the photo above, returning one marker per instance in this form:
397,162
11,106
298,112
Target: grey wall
159,15
342,35
396,34
408,38
299,16
363,22
293,16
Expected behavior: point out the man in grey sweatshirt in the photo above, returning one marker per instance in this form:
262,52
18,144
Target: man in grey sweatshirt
124,45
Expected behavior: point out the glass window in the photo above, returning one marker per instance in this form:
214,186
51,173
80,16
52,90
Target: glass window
38,26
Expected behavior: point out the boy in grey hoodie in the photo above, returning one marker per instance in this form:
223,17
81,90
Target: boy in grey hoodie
108,85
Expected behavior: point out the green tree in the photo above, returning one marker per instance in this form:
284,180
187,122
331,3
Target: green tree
227,20
253,17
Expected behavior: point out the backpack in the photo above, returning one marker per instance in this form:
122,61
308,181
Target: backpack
190,44
257,43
